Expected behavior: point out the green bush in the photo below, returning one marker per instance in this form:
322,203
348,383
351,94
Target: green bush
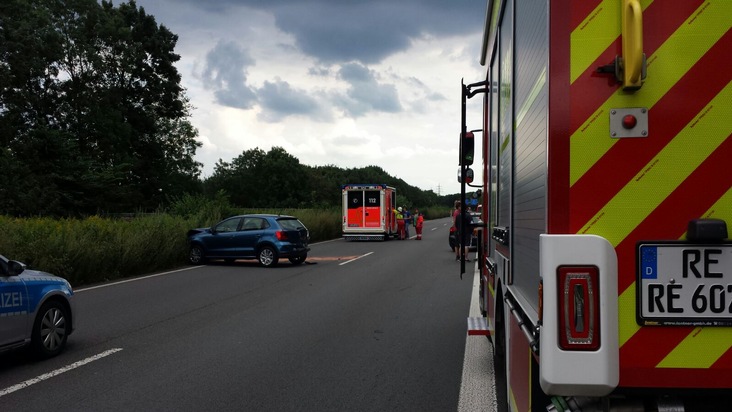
202,210
97,249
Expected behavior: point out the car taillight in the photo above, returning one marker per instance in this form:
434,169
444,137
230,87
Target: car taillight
579,307
281,235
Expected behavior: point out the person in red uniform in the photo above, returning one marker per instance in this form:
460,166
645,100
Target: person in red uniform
400,222
418,223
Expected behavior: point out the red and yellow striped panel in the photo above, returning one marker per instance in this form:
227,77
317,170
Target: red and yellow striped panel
632,189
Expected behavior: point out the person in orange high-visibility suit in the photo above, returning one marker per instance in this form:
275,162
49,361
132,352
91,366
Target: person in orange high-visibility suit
400,222
418,223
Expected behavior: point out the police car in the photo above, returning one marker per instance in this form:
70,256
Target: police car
36,309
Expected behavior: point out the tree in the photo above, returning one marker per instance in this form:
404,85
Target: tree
238,178
258,179
91,108
276,179
284,181
325,185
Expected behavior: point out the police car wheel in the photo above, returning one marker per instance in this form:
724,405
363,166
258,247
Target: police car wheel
267,256
195,255
50,329
298,259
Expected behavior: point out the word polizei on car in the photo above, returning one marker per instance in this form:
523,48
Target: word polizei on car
263,237
36,309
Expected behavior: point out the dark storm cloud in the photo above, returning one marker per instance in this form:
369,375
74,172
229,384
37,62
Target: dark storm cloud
365,93
319,71
342,36
367,31
343,32
279,100
419,96
225,73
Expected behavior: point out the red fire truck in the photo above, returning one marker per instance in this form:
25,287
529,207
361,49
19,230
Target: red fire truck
606,265
368,212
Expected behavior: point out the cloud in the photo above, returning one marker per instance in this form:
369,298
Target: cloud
365,94
340,31
346,82
345,32
279,100
225,73
319,71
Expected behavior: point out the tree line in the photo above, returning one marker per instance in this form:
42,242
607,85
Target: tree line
277,179
93,119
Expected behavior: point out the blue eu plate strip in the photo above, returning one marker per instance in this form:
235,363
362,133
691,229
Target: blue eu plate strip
649,262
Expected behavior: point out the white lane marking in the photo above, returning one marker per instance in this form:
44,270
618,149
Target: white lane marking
134,279
158,274
354,259
477,388
57,372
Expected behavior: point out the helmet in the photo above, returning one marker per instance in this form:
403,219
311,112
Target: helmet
399,209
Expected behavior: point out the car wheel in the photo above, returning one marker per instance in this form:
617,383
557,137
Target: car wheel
50,329
267,256
298,259
195,255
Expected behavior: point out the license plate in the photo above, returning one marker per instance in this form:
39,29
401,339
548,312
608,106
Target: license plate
684,284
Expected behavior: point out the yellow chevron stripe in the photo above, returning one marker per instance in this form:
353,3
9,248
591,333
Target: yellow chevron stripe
665,171
721,209
665,67
706,345
595,34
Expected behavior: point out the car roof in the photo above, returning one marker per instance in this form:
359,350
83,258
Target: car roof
266,215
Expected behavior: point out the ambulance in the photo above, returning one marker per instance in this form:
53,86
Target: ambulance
368,212
606,264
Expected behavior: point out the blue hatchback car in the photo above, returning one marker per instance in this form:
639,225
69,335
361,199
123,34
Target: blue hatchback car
36,308
266,238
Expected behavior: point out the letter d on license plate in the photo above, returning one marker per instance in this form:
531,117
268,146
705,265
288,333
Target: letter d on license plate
681,283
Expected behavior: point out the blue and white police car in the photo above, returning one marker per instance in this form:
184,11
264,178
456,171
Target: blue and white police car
36,308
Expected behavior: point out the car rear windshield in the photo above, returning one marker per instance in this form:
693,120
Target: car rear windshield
291,224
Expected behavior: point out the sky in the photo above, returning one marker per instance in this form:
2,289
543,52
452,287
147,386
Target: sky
348,83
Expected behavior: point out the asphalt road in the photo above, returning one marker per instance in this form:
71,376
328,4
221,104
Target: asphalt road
360,326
